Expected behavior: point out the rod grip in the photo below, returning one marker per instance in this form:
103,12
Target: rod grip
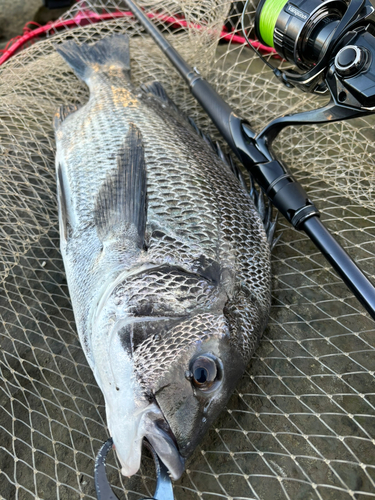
285,192
217,109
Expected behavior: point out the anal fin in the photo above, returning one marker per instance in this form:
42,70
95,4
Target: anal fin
121,201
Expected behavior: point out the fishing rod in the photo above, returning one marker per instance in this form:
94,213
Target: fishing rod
339,61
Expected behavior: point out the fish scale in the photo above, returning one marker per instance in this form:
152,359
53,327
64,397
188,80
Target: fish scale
167,258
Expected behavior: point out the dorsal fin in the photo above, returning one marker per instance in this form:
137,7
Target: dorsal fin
265,211
121,201
156,89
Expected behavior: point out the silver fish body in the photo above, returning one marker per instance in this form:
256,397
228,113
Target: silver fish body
166,257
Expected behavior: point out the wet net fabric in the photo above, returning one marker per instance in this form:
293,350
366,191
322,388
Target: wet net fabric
301,424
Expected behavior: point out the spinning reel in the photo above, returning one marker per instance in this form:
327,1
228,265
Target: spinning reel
331,43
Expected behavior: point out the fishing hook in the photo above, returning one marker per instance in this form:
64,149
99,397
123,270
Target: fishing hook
163,490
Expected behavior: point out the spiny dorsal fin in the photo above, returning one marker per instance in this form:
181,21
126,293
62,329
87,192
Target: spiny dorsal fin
156,89
121,201
265,211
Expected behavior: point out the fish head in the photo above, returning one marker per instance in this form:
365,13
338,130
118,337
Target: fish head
163,379
191,372
131,413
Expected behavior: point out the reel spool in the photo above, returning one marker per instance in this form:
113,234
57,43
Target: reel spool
332,45
299,31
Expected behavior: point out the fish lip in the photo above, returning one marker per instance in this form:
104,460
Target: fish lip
153,427
165,427
160,436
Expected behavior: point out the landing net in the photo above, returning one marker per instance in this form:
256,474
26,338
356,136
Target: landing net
301,424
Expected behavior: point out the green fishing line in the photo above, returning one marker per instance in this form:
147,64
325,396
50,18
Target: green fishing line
267,19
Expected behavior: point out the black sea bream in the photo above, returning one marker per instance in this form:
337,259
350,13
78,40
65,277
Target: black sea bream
166,257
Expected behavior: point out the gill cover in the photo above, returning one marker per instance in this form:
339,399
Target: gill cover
188,389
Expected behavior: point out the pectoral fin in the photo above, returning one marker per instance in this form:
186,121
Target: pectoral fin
121,201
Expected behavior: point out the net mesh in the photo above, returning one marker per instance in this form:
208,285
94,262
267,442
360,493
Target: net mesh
301,424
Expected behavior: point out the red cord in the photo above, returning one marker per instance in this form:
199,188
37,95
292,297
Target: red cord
89,17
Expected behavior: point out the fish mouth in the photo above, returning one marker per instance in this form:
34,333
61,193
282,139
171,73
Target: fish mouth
162,439
151,425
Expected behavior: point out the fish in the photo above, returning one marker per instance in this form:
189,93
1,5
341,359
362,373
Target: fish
167,258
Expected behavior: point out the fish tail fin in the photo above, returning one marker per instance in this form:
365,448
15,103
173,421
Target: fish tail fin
106,54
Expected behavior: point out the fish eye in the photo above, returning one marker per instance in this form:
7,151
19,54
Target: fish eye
204,372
